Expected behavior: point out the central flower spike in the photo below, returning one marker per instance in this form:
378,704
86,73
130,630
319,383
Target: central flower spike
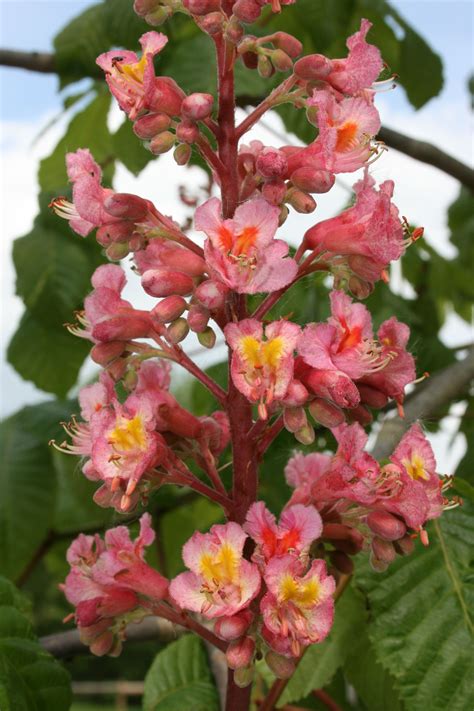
242,253
220,582
298,608
262,369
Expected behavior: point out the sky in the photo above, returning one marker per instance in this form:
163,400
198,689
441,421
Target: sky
28,101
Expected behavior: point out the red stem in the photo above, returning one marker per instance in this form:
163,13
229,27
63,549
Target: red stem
327,700
185,620
186,362
272,100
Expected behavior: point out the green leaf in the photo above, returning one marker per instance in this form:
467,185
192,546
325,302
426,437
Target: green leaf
420,86
321,661
79,44
54,362
87,129
421,625
179,678
30,679
53,274
129,149
179,62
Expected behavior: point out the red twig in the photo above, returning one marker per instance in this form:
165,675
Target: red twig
327,700
276,97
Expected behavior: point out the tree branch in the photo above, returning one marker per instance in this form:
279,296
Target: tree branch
43,62
438,391
428,153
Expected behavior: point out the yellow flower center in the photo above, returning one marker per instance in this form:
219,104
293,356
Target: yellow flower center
416,467
135,71
259,355
220,567
301,594
128,434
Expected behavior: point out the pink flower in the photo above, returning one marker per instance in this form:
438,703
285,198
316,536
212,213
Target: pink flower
131,79
303,472
168,268
108,581
241,252
345,342
346,128
262,369
369,234
400,369
299,527
298,609
220,581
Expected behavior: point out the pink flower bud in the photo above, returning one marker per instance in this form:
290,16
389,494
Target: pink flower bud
177,331
240,653
404,546
378,565
305,435
286,42
284,212
117,251
339,533
162,143
300,201
166,96
234,31
143,7
211,294
250,60
150,125
341,562
333,385
247,10
197,106
233,627
102,644
212,23
274,191
281,61
359,288
361,415
182,154
282,667
326,413
198,318
179,420
187,131
372,397
183,260
248,44
164,282
207,338
383,550
296,394
294,418
264,67
105,353
386,526
202,7
244,677
126,205
272,163
169,309
312,180
313,67
114,232
123,327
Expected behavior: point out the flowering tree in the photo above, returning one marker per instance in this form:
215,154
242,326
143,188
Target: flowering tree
255,588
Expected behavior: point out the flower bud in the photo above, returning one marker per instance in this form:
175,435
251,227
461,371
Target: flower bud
234,31
202,7
372,397
117,251
197,106
159,16
187,131
124,327
169,309
385,525
182,154
177,330
116,370
341,562
207,338
105,353
326,413
198,318
102,644
179,420
274,191
240,653
359,288
300,201
284,212
332,385
114,232
361,415
282,667
272,163
313,67
294,418
339,533
211,294
247,10
212,23
234,626
296,394
281,61
126,205
379,566
289,44
383,550
166,96
162,143
312,180
150,125
305,435
182,259
404,546
265,67
250,60
143,7
164,282
243,677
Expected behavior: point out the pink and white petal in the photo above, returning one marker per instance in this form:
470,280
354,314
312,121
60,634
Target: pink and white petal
152,42
259,214
260,524
185,591
303,523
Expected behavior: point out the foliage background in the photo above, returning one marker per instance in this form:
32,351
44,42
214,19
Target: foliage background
402,639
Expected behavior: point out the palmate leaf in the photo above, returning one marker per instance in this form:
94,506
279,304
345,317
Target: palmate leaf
180,678
421,618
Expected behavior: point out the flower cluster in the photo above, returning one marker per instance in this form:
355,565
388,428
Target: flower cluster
254,587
